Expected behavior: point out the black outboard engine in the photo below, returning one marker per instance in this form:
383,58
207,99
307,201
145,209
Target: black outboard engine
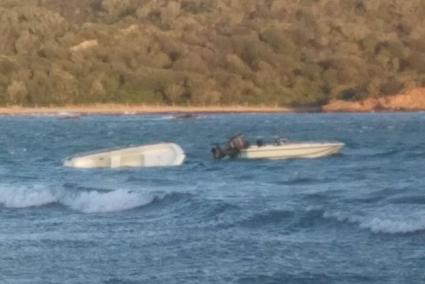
232,148
217,152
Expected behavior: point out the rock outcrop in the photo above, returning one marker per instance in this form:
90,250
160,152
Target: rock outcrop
410,100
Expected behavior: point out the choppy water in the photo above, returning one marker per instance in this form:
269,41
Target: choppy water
354,218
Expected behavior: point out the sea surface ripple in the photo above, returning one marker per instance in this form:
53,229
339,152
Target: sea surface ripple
358,217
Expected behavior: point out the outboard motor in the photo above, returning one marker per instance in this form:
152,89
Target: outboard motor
231,149
217,152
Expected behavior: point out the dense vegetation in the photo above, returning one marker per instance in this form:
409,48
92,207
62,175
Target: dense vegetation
199,52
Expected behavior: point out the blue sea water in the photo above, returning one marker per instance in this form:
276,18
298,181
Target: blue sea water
354,218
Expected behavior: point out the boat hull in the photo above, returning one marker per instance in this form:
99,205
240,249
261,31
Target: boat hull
158,155
291,151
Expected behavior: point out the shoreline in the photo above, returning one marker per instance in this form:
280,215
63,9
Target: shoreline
111,109
117,109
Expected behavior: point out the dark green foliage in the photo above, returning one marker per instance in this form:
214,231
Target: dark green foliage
201,52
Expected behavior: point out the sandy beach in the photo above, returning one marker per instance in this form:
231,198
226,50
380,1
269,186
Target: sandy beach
117,109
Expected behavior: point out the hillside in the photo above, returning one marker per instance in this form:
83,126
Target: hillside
204,52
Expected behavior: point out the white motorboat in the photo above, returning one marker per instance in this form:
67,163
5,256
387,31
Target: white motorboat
157,155
291,150
238,147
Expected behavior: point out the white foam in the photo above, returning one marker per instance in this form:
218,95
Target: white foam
391,224
98,202
86,202
23,198
378,225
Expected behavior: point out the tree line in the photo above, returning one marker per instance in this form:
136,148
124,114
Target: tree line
208,52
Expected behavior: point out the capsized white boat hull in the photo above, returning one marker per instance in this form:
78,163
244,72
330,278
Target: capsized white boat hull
291,151
157,155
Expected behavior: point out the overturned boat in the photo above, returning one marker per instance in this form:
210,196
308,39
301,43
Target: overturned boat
239,147
157,155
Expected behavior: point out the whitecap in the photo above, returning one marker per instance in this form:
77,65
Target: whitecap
404,224
23,198
379,225
100,202
82,201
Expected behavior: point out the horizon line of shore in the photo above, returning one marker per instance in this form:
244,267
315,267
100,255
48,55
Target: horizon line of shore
121,109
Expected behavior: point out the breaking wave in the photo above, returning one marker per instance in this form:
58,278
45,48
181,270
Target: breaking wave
100,202
91,200
379,225
388,225
83,201
20,198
